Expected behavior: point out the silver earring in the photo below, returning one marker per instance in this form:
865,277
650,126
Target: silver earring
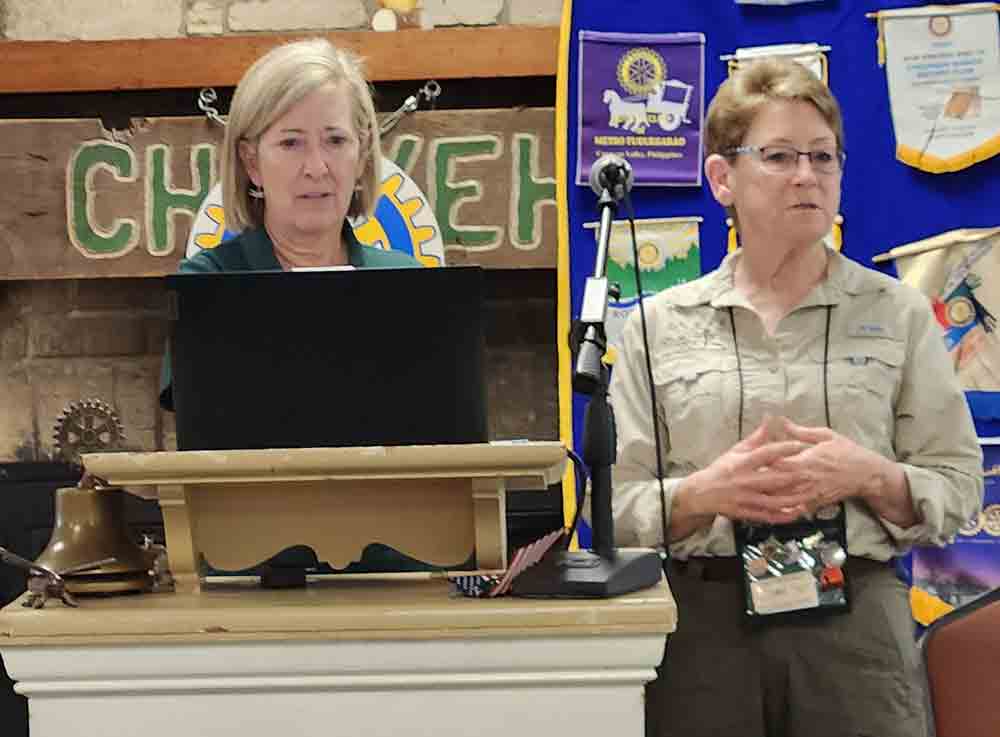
256,192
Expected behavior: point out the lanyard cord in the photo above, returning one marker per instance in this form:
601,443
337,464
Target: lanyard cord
739,369
826,366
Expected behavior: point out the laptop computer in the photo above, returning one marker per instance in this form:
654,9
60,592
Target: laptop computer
356,357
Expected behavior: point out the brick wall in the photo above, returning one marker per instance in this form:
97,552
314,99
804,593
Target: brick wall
38,20
64,341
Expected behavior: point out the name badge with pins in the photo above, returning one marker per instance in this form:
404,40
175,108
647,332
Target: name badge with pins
797,567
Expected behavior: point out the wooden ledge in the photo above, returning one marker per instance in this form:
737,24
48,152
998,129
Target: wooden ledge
439,504
544,461
440,53
414,608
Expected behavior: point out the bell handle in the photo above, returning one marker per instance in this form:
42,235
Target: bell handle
14,559
84,567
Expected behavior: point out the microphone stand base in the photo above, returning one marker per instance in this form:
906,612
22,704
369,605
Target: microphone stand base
583,574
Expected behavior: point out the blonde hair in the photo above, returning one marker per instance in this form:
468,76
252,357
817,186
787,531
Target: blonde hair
274,84
754,85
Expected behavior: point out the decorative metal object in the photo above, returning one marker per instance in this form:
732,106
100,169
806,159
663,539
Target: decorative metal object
45,583
87,426
430,92
207,97
89,520
90,525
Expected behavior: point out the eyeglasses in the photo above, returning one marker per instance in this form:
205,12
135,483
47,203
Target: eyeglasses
785,159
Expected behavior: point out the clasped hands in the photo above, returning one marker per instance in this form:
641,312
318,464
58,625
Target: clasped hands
782,472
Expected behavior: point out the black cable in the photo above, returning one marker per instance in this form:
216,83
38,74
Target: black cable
581,477
665,554
826,372
739,370
826,368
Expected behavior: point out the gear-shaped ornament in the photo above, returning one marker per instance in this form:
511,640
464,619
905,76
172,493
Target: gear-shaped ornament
87,426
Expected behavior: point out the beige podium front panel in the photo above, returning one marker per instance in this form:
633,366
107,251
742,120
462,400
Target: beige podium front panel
371,657
235,509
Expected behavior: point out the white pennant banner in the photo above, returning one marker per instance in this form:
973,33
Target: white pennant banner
943,68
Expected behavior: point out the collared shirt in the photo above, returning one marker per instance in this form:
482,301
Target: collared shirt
253,250
889,381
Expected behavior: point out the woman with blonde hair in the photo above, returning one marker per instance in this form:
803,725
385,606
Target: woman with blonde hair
301,155
810,427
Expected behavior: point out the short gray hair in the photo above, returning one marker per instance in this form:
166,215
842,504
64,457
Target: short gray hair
274,84
751,87
742,96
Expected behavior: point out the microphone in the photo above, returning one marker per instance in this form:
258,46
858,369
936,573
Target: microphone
605,570
612,174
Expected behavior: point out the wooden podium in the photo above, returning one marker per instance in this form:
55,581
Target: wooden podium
371,657
347,655
235,509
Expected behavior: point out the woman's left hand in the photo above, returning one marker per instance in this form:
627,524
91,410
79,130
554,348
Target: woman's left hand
835,467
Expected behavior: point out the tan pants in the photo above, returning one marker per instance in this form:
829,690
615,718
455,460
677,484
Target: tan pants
843,675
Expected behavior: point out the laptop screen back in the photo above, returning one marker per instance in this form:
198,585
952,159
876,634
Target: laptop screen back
329,358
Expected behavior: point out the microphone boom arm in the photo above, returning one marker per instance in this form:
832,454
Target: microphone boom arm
603,571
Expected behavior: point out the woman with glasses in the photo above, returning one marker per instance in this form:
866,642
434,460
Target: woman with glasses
810,427
301,155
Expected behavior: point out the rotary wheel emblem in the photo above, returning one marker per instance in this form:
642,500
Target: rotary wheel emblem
961,311
640,70
88,426
991,520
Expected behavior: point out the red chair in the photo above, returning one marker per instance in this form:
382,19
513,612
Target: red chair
961,652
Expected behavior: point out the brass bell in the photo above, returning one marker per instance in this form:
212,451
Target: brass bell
90,526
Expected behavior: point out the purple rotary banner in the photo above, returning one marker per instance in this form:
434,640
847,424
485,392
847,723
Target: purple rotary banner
642,98
944,578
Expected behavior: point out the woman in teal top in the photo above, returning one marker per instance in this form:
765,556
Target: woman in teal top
253,250
301,154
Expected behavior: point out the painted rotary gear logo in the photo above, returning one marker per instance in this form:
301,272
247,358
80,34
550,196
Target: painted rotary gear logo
404,220
641,70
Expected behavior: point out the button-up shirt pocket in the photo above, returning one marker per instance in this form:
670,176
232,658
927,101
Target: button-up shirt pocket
693,389
864,375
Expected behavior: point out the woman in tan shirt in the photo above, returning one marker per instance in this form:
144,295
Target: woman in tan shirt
792,385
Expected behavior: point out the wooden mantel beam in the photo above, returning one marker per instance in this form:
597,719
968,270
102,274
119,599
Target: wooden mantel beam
440,53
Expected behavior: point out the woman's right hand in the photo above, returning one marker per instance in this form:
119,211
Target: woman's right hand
741,485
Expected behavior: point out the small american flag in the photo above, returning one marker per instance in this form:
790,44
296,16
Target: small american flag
487,586
524,558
